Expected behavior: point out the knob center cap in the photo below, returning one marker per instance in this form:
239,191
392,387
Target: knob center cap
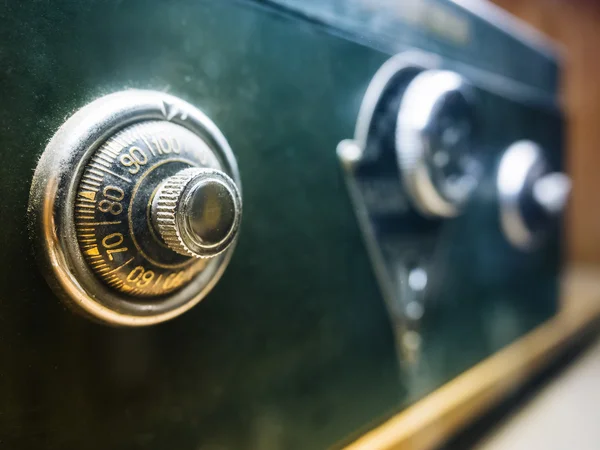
211,211
197,212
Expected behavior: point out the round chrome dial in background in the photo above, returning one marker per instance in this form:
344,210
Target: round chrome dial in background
135,207
531,196
435,142
426,117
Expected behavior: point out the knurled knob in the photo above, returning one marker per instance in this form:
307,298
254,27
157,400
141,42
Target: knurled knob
197,212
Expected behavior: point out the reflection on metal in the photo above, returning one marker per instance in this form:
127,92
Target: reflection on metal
530,196
435,142
409,165
431,421
399,259
197,212
90,202
403,288
428,16
393,73
552,192
500,18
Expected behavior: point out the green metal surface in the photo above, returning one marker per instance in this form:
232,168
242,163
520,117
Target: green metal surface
293,349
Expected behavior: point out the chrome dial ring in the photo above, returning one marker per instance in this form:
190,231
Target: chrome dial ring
54,192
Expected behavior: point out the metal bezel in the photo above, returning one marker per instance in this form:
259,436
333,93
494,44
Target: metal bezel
52,197
415,115
411,158
516,164
383,79
352,153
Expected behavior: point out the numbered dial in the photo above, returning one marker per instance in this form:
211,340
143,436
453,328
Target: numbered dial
116,226
135,207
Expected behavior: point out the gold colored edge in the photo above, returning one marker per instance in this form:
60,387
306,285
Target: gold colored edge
431,421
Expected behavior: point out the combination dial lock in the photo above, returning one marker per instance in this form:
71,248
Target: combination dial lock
135,208
430,114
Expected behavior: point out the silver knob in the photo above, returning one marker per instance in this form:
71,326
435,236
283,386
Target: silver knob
197,212
531,197
434,142
552,192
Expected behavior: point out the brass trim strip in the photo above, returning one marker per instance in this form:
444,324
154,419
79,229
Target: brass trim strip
432,420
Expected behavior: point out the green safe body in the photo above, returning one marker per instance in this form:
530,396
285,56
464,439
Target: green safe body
294,348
